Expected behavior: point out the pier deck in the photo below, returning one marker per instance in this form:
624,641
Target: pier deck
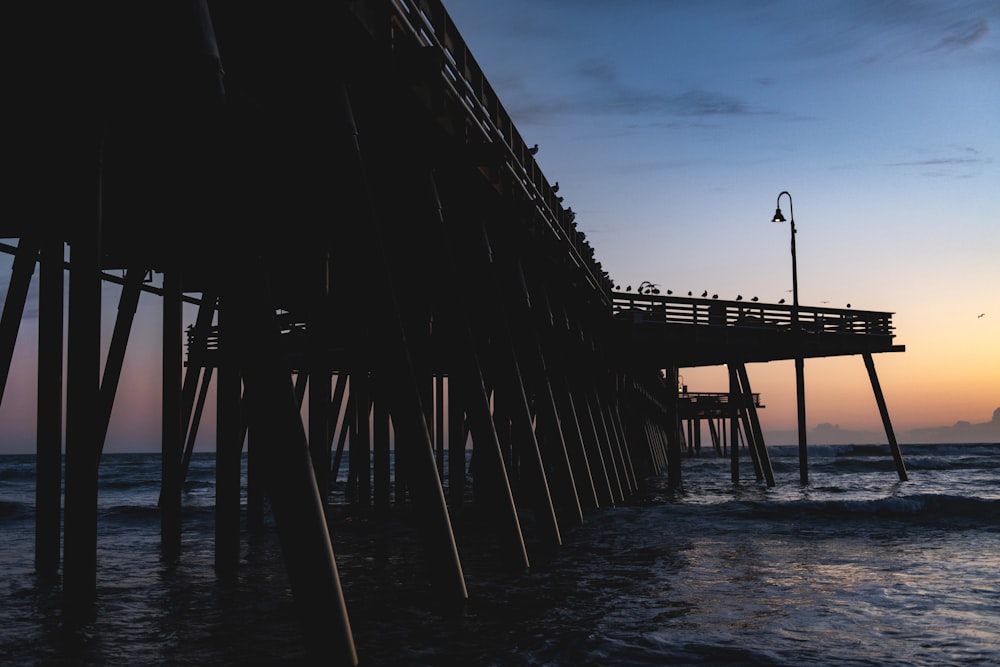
690,331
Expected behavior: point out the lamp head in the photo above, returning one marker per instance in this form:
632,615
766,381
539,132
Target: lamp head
777,216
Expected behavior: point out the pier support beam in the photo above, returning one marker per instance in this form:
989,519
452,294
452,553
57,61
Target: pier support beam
884,411
763,458
734,422
800,401
83,407
13,306
172,428
229,440
286,469
673,431
48,483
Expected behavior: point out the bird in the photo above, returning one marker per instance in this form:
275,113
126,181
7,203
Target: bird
534,149
848,305
670,291
689,292
782,301
715,296
704,294
739,297
980,315
555,187
628,289
754,299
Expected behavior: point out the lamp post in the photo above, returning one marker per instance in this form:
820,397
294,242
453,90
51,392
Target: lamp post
800,390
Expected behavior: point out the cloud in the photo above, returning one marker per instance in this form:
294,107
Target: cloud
598,90
962,35
959,162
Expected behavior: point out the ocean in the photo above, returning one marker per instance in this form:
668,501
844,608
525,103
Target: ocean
855,568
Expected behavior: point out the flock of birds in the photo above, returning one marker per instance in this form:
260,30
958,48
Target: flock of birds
646,288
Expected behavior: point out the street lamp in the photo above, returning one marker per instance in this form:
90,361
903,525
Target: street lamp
795,277
800,390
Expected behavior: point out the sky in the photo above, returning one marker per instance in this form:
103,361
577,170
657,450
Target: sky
672,126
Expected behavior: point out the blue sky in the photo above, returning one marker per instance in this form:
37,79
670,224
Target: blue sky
672,127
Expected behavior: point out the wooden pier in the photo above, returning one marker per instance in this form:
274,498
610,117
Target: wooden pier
341,195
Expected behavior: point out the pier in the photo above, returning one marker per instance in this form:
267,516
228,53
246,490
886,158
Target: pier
376,262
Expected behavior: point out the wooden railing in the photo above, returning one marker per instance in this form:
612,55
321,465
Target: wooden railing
429,23
655,309
712,397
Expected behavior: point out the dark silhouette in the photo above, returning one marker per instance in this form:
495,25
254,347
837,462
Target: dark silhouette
533,150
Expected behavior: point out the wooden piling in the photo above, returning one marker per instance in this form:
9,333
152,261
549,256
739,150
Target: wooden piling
171,410
48,483
897,456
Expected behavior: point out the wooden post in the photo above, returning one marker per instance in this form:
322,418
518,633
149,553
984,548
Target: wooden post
381,455
13,306
228,442
285,465
758,435
83,407
456,445
734,423
468,384
884,411
673,431
48,483
172,429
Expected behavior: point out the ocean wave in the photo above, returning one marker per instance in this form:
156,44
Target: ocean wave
926,506
12,510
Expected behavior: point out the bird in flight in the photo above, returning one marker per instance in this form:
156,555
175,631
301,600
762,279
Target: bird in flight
980,315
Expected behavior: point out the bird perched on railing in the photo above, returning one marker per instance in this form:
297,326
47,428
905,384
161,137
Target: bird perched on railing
646,287
533,150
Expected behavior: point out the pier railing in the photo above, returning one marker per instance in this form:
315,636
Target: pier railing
431,26
657,309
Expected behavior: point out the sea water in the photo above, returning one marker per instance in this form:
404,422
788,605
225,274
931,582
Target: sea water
854,568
